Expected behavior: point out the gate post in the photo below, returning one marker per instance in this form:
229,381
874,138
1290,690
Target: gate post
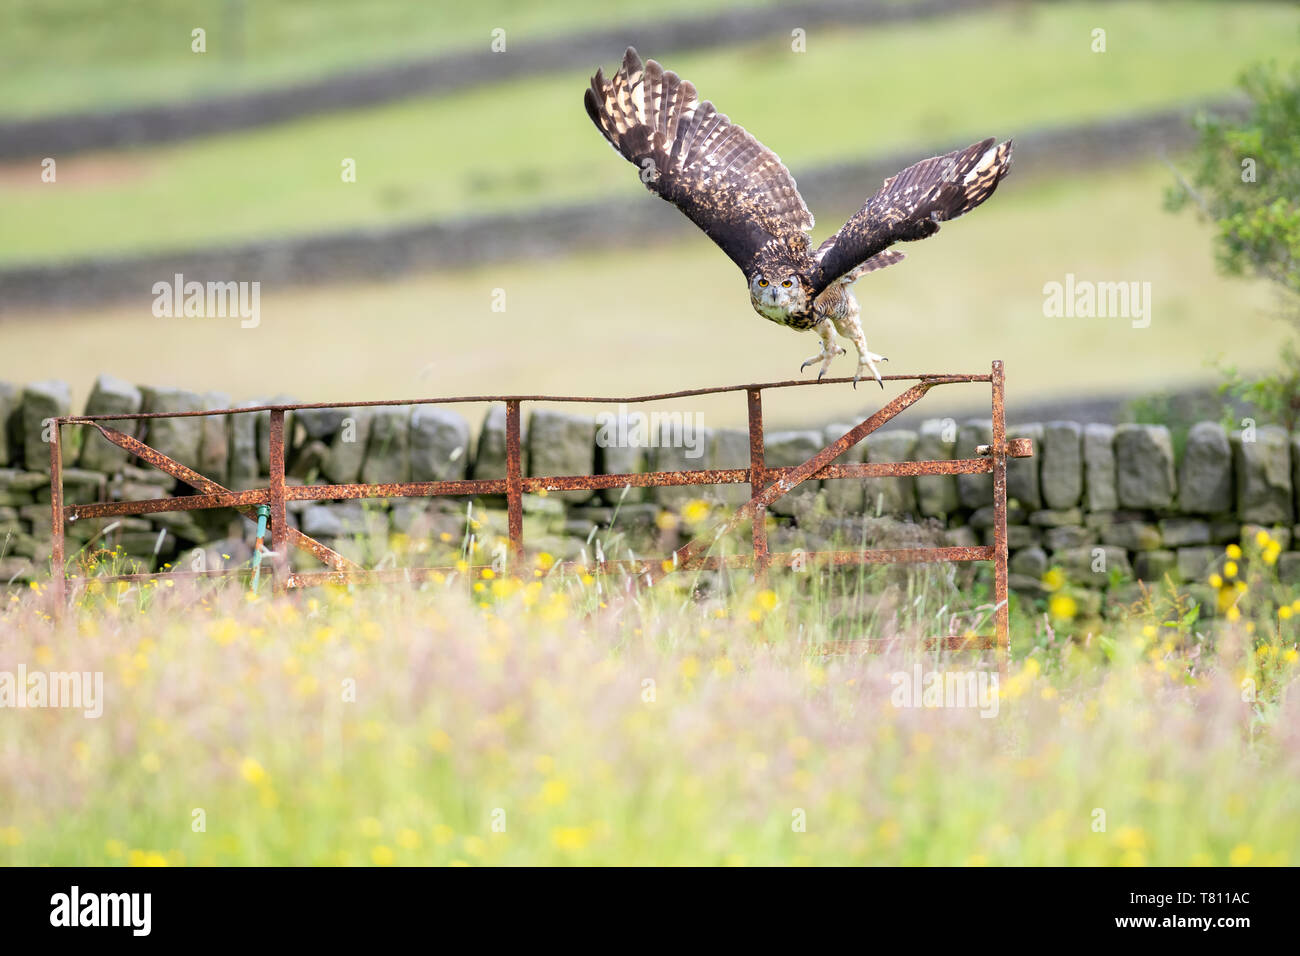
514,486
279,515
58,579
999,450
757,482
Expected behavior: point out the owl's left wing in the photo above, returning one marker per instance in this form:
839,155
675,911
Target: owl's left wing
725,181
910,205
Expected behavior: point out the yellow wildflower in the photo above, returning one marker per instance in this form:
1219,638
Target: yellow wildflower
1063,607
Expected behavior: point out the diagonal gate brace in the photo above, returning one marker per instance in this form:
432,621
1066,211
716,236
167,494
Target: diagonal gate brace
691,551
192,478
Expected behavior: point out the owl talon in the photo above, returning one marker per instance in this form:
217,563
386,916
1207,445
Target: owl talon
824,356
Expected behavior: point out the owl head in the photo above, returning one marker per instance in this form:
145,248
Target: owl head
777,297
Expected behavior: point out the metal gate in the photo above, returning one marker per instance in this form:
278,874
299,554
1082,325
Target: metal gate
766,486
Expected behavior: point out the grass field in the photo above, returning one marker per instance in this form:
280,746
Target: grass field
71,55
549,721
677,316
526,143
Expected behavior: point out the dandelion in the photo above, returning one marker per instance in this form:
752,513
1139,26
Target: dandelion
408,839
143,858
1131,838
554,791
1216,581
767,599
224,631
1054,579
1230,569
1241,854
1063,607
1233,552
1262,539
252,771
695,511
1284,612
381,856
487,574
570,838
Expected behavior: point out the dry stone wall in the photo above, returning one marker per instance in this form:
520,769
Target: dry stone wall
1107,505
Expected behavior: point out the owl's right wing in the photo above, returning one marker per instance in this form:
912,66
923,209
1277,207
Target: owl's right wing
725,181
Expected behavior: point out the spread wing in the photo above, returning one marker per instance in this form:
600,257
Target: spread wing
909,206
725,181
879,261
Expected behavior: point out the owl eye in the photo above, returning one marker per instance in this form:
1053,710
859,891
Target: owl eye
762,283
787,283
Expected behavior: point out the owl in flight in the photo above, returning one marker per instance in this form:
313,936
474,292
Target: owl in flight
736,190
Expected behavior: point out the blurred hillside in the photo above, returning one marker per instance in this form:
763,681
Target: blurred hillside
619,310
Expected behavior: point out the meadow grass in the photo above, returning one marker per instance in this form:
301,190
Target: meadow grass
675,315
557,720
529,143
71,55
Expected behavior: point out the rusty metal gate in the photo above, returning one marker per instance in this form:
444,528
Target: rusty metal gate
766,486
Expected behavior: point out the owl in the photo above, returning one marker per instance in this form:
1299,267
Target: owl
746,201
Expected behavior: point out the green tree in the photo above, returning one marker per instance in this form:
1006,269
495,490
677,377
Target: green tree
1246,179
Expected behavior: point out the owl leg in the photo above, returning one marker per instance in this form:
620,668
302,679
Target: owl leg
851,328
829,348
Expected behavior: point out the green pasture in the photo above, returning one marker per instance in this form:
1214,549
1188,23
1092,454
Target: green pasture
676,315
72,55
529,143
